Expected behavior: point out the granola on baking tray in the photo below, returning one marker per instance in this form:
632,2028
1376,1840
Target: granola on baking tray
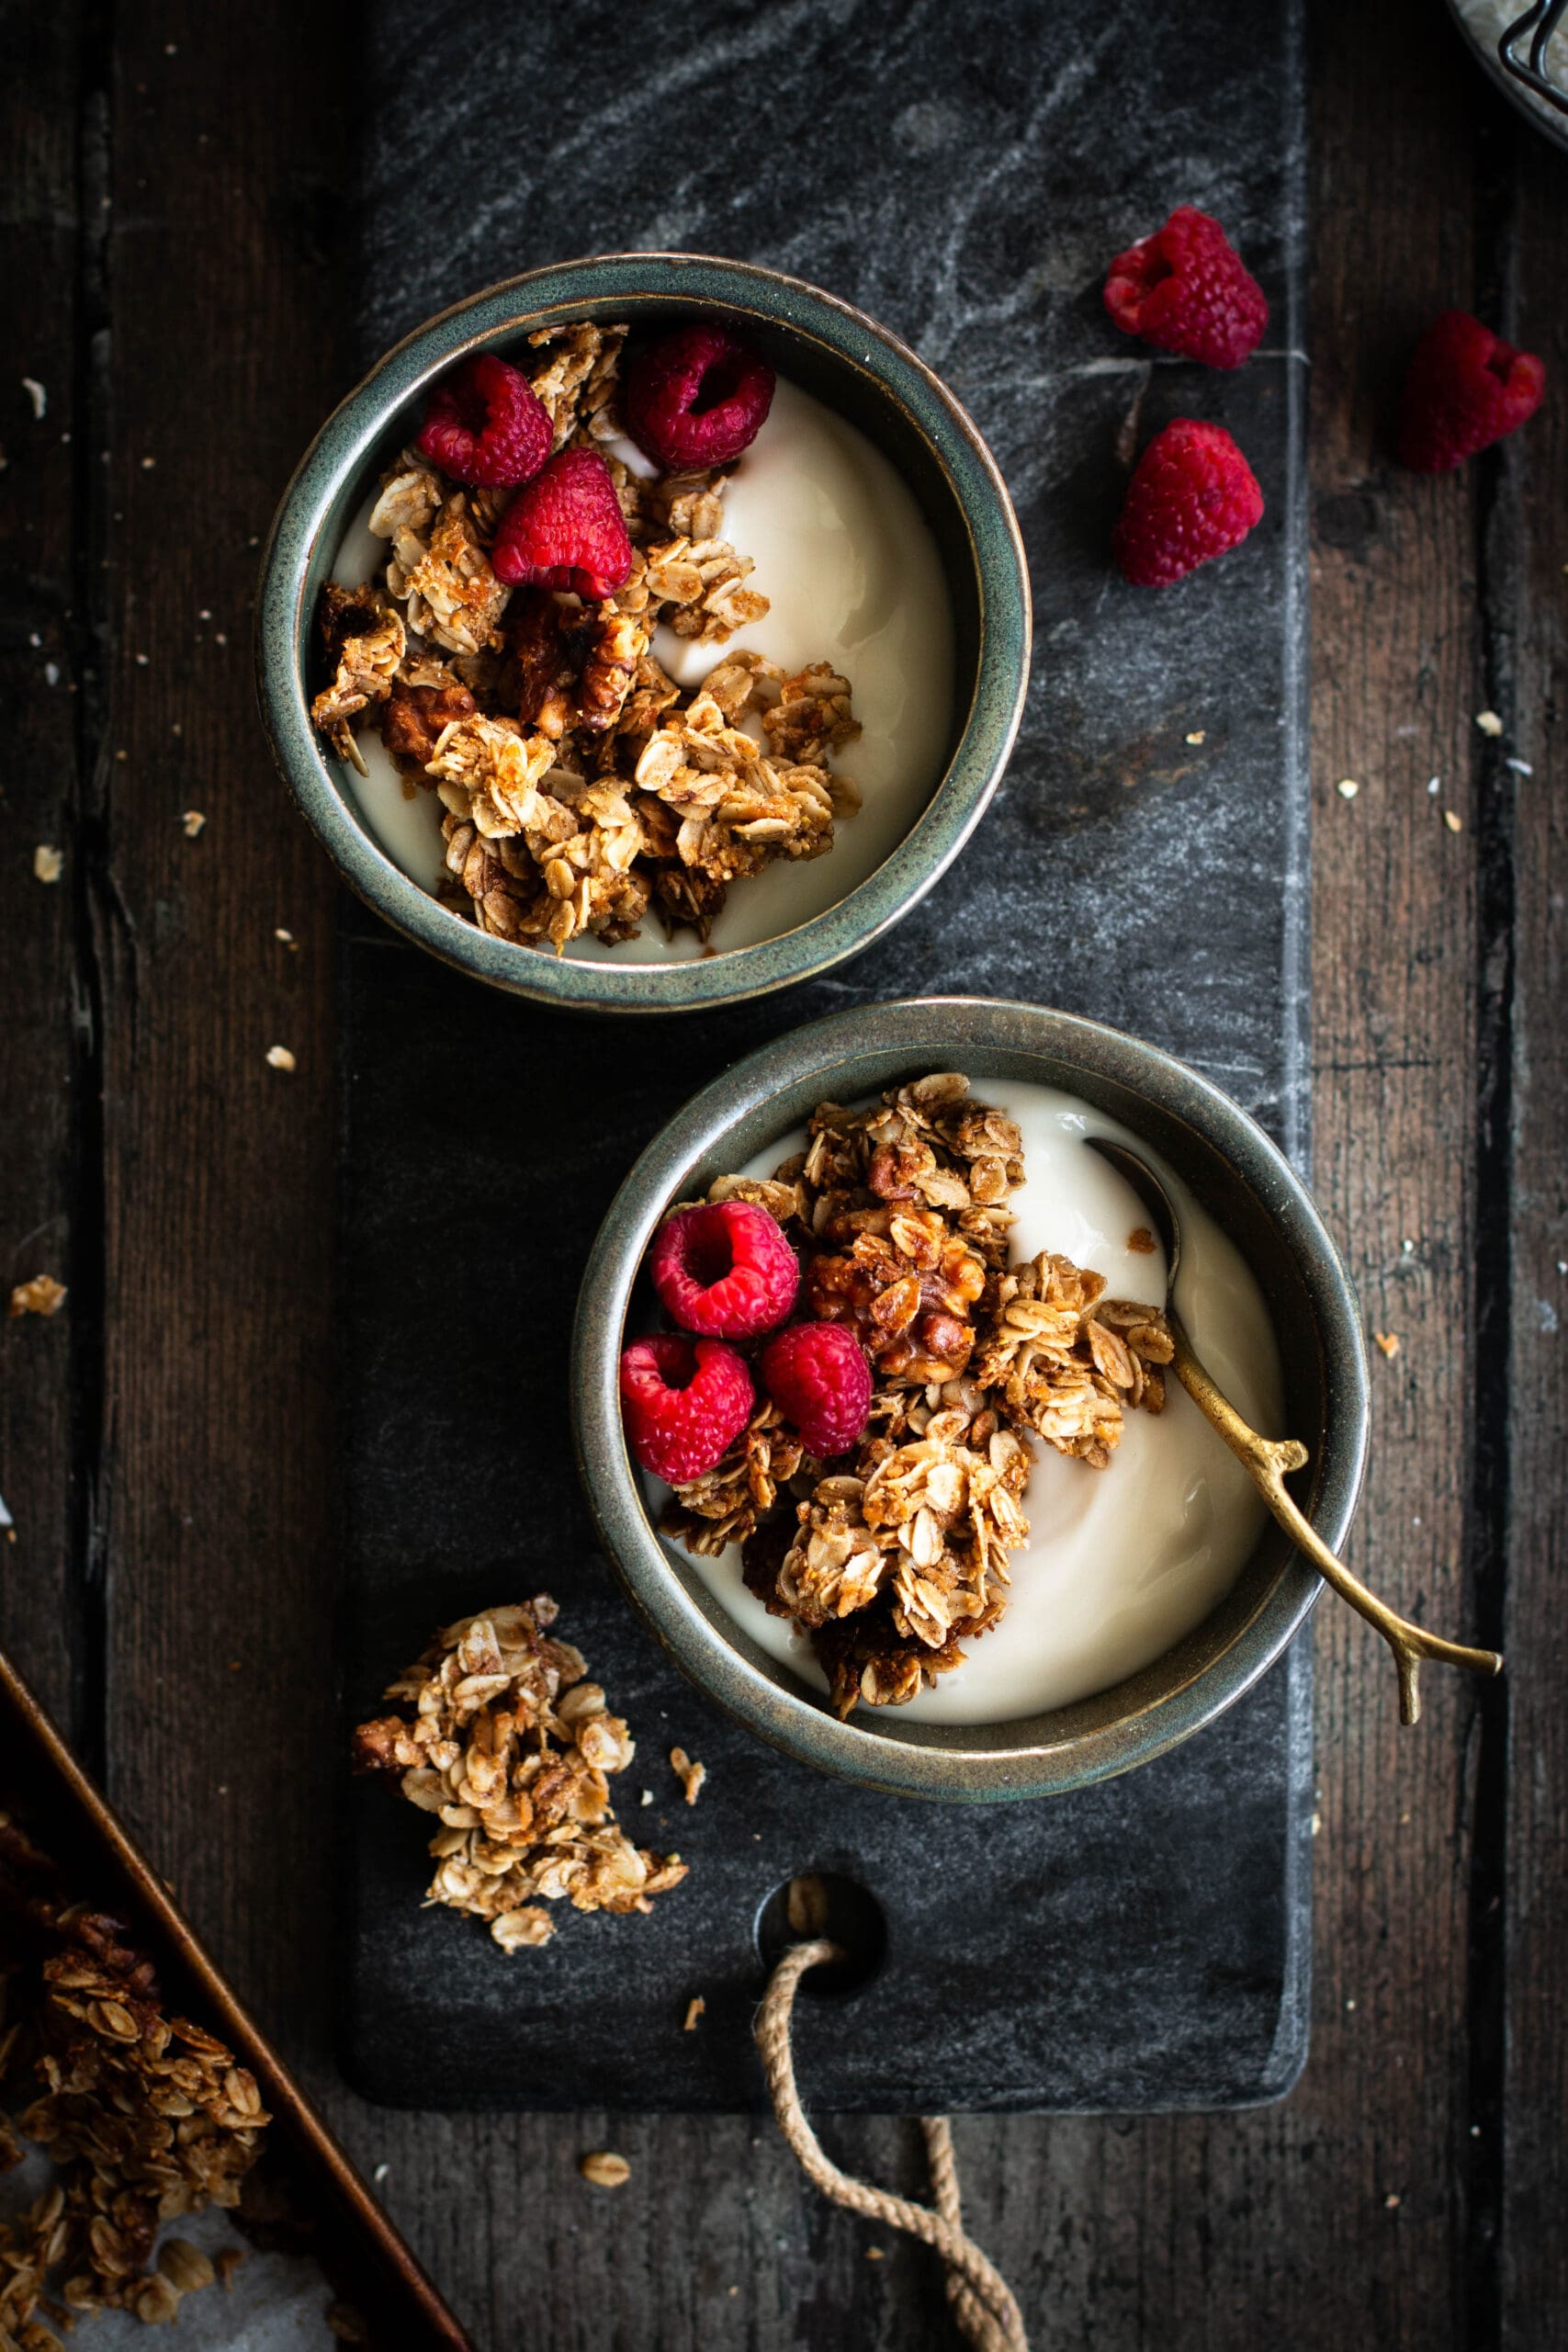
144,2115
582,790
895,1554
511,1748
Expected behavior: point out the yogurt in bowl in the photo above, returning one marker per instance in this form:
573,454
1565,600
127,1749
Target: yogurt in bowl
1151,1591
866,511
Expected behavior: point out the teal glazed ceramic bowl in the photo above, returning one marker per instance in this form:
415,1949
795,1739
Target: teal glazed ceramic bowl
1233,1170
854,366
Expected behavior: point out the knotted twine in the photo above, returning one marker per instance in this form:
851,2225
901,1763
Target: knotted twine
982,2303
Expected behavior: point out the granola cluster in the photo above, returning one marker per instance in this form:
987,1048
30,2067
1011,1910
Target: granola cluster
894,1556
582,787
145,2115
511,1748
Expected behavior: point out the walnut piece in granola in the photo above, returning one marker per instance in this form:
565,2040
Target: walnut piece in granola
365,641
513,1749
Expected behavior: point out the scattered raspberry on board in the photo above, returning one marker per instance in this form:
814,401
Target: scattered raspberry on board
1187,289
1465,389
1192,496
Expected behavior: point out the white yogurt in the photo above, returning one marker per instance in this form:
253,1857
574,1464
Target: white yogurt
853,577
1120,1563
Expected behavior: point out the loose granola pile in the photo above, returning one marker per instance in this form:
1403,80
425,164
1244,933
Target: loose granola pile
511,1748
144,2114
581,786
895,1556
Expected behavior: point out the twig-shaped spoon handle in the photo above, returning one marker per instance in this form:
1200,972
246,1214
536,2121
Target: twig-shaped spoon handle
1268,1460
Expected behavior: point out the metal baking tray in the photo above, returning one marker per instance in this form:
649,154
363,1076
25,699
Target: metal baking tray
366,2259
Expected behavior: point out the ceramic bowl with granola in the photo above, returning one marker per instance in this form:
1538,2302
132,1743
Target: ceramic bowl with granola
872,1405
646,633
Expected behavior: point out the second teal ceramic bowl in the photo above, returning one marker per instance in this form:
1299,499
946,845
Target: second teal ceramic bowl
1233,1170
851,363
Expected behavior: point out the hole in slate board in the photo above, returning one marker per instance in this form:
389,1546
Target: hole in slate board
824,1903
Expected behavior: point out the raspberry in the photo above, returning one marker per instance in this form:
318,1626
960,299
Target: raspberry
682,1401
485,424
697,399
817,1375
1186,290
724,1268
1465,389
1192,496
564,529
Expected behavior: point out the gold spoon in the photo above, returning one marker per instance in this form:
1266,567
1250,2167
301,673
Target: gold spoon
1269,1461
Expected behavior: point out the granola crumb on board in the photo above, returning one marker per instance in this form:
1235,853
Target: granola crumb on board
511,1748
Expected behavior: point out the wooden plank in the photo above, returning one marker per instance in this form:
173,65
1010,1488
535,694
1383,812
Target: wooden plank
225,248
47,1059
1380,2234
1532,503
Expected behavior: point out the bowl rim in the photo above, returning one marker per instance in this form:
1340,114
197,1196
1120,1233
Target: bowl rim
800,1725
580,288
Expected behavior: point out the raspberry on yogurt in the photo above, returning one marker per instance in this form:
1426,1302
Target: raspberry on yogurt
683,1401
818,1376
565,530
485,424
697,399
724,1268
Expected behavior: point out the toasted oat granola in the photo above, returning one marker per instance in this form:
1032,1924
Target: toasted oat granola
895,1556
144,2115
511,1748
582,788
40,1296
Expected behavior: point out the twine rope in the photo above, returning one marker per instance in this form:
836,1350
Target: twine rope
982,2303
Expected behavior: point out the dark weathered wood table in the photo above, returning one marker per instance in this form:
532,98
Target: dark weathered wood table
177,260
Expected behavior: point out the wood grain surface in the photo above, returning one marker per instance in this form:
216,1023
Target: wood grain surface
177,253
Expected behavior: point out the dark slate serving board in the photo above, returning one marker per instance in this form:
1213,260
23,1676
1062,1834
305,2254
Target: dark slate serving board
964,176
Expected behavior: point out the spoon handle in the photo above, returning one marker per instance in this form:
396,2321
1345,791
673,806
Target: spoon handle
1269,1461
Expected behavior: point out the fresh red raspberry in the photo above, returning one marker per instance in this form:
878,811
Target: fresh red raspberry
817,1375
1192,497
696,398
484,423
564,529
1186,290
725,1267
1465,389
682,1401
